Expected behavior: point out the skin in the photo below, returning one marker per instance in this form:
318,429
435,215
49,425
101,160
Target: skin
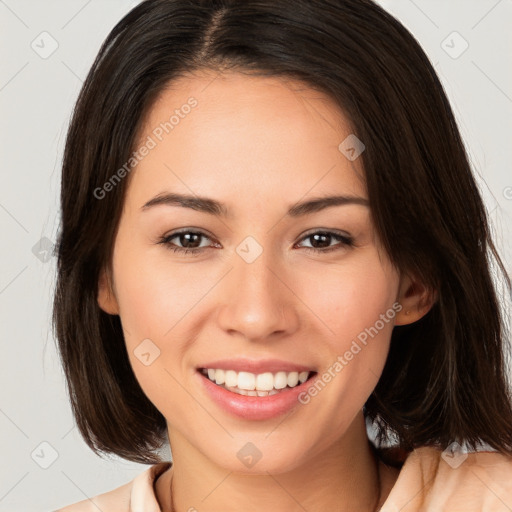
259,145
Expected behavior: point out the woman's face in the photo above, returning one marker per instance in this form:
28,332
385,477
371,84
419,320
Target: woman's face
257,289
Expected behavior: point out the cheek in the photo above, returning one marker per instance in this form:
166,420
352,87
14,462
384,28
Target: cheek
156,303
153,296
150,309
351,297
354,303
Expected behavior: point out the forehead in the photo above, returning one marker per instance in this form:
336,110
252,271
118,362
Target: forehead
237,137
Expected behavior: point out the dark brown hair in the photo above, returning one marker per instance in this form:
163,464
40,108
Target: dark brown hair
444,379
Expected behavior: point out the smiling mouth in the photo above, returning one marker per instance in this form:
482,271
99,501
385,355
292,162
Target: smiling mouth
250,384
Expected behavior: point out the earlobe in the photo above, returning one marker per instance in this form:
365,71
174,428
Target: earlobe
416,300
106,298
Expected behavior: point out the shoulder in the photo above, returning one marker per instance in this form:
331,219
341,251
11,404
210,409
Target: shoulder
431,479
117,499
137,494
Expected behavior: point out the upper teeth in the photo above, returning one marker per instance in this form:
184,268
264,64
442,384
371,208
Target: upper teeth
250,381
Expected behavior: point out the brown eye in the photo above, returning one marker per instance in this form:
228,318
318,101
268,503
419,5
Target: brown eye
189,240
321,241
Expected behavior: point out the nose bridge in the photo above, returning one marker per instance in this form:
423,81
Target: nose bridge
258,302
256,279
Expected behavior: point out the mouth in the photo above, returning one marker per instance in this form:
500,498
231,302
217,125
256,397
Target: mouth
257,385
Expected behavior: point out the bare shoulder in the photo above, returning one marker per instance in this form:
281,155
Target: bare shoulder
482,480
118,499
432,479
488,466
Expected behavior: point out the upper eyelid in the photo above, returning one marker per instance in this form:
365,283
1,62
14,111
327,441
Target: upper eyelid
308,233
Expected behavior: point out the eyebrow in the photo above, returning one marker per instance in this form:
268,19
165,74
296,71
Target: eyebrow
218,209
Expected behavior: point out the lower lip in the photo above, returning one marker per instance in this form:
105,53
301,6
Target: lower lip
255,407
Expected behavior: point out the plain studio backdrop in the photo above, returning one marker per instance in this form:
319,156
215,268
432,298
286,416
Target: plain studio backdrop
47,49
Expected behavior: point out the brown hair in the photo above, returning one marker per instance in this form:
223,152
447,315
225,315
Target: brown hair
444,379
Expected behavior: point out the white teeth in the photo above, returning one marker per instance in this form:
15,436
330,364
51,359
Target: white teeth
254,384
280,380
303,376
293,379
246,380
219,376
231,378
252,392
265,381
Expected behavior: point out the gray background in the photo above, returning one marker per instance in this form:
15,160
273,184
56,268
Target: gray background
37,92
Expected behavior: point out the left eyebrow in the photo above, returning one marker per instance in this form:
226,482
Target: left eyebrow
218,209
320,203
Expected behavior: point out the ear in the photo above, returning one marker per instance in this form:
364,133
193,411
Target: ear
416,300
106,298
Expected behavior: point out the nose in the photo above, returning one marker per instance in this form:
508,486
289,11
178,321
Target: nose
258,302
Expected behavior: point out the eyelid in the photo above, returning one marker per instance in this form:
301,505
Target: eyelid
191,229
333,231
195,231
312,231
346,241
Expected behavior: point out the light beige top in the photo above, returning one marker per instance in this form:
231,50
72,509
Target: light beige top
427,482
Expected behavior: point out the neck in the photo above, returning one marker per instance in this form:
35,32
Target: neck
343,477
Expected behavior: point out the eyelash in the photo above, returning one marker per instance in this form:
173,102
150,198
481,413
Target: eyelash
347,241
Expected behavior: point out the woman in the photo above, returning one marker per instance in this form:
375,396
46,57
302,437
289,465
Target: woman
270,238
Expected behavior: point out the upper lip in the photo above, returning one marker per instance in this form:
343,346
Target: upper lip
257,366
